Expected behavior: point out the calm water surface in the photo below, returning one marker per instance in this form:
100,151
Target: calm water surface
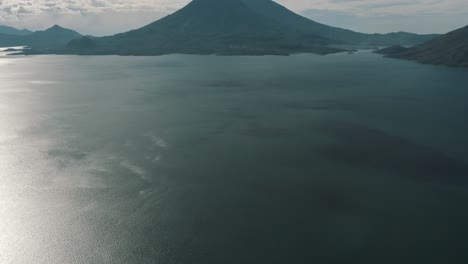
205,159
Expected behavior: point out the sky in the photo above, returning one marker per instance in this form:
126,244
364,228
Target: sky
106,17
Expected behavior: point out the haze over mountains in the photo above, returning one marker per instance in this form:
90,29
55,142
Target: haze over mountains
14,31
225,27
45,41
450,49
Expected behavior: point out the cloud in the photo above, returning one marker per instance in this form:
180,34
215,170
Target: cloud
420,16
383,23
382,7
13,9
88,16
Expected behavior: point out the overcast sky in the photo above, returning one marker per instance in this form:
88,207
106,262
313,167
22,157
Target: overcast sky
104,17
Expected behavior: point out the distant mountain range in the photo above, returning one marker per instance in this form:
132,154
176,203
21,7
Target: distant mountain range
228,27
450,49
14,31
236,27
44,41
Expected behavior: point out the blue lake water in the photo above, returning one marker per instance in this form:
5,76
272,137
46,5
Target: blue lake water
205,159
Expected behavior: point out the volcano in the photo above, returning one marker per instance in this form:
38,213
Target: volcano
232,27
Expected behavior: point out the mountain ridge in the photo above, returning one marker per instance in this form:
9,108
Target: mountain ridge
450,49
44,41
13,31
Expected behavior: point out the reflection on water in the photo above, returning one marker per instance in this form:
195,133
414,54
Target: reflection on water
205,159
6,51
362,146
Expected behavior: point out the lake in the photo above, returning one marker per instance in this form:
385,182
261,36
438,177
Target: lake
204,159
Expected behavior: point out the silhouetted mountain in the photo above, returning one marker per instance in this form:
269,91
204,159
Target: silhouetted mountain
207,27
450,49
42,41
398,38
13,31
234,27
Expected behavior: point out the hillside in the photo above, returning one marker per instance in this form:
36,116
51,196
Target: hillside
13,31
43,41
450,49
283,15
